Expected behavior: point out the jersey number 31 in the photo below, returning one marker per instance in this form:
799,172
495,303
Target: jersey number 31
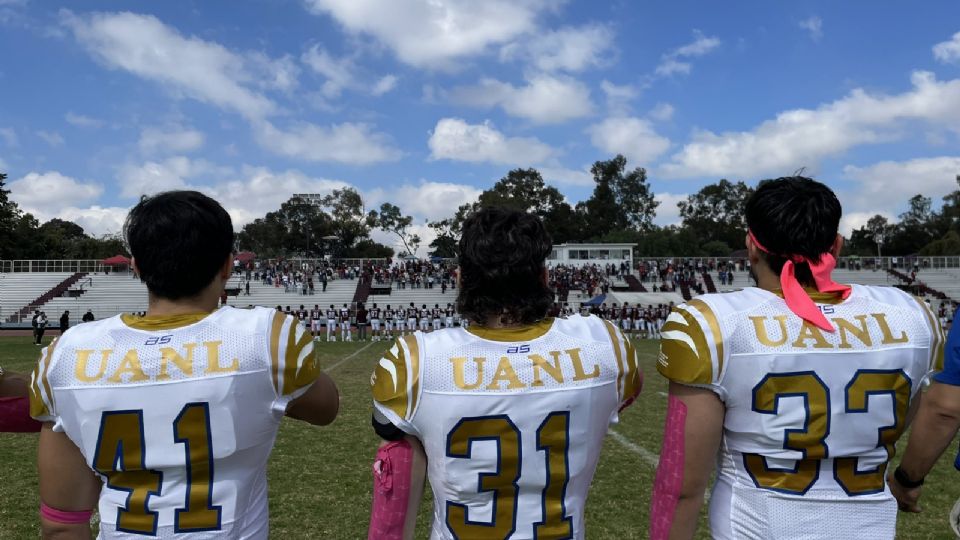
553,439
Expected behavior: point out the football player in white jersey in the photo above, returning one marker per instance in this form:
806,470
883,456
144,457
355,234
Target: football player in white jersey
798,389
331,323
506,419
175,411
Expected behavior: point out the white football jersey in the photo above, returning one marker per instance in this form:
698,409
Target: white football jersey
512,420
177,415
811,416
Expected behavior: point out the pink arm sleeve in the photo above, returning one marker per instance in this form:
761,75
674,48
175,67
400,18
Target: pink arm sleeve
66,518
392,473
669,480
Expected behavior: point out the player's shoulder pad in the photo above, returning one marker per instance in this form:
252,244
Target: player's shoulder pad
293,364
395,382
42,404
938,338
692,344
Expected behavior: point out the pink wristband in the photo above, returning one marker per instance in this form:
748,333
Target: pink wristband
66,518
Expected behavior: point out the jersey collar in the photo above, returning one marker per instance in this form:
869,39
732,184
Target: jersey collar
162,322
513,333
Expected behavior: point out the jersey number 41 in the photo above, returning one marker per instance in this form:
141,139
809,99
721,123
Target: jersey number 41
121,458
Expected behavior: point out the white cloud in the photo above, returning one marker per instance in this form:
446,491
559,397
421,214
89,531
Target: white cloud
350,143
619,96
676,62
9,136
385,85
568,48
633,137
96,220
852,221
662,112
52,138
430,201
338,72
144,46
889,184
80,120
173,139
246,194
948,51
455,139
258,190
802,137
435,33
273,73
172,173
668,213
546,99
45,194
813,25
568,177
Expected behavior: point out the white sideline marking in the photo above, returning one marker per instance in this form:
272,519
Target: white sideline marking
358,351
651,458
664,394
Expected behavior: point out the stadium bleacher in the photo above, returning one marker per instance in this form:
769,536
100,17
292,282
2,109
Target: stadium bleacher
107,295
20,289
339,292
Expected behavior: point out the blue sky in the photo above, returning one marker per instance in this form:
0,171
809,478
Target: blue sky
426,102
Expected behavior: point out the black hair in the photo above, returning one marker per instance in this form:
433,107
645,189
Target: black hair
502,255
794,215
180,241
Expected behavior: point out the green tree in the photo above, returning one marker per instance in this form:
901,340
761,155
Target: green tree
948,245
349,219
296,229
391,220
621,199
525,189
717,213
10,216
445,244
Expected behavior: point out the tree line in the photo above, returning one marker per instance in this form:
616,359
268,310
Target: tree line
621,208
22,236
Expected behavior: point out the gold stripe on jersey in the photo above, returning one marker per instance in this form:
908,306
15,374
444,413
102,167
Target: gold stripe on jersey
515,333
276,327
936,335
685,357
162,322
714,325
633,382
389,380
39,406
414,348
618,354
295,374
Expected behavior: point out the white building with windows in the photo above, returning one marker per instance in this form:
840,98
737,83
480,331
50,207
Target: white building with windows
587,254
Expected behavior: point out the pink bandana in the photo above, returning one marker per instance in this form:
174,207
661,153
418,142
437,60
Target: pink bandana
797,299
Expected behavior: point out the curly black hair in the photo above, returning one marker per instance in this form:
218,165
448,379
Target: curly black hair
502,255
794,215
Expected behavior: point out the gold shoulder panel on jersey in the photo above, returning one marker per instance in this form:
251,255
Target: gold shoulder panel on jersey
390,382
40,386
628,371
276,328
686,355
300,368
937,337
714,324
628,368
414,349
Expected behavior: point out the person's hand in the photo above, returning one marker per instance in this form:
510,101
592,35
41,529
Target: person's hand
908,499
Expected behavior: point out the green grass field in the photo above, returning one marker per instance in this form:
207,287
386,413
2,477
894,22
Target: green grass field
320,482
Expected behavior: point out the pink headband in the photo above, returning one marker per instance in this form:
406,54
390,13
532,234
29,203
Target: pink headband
797,299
